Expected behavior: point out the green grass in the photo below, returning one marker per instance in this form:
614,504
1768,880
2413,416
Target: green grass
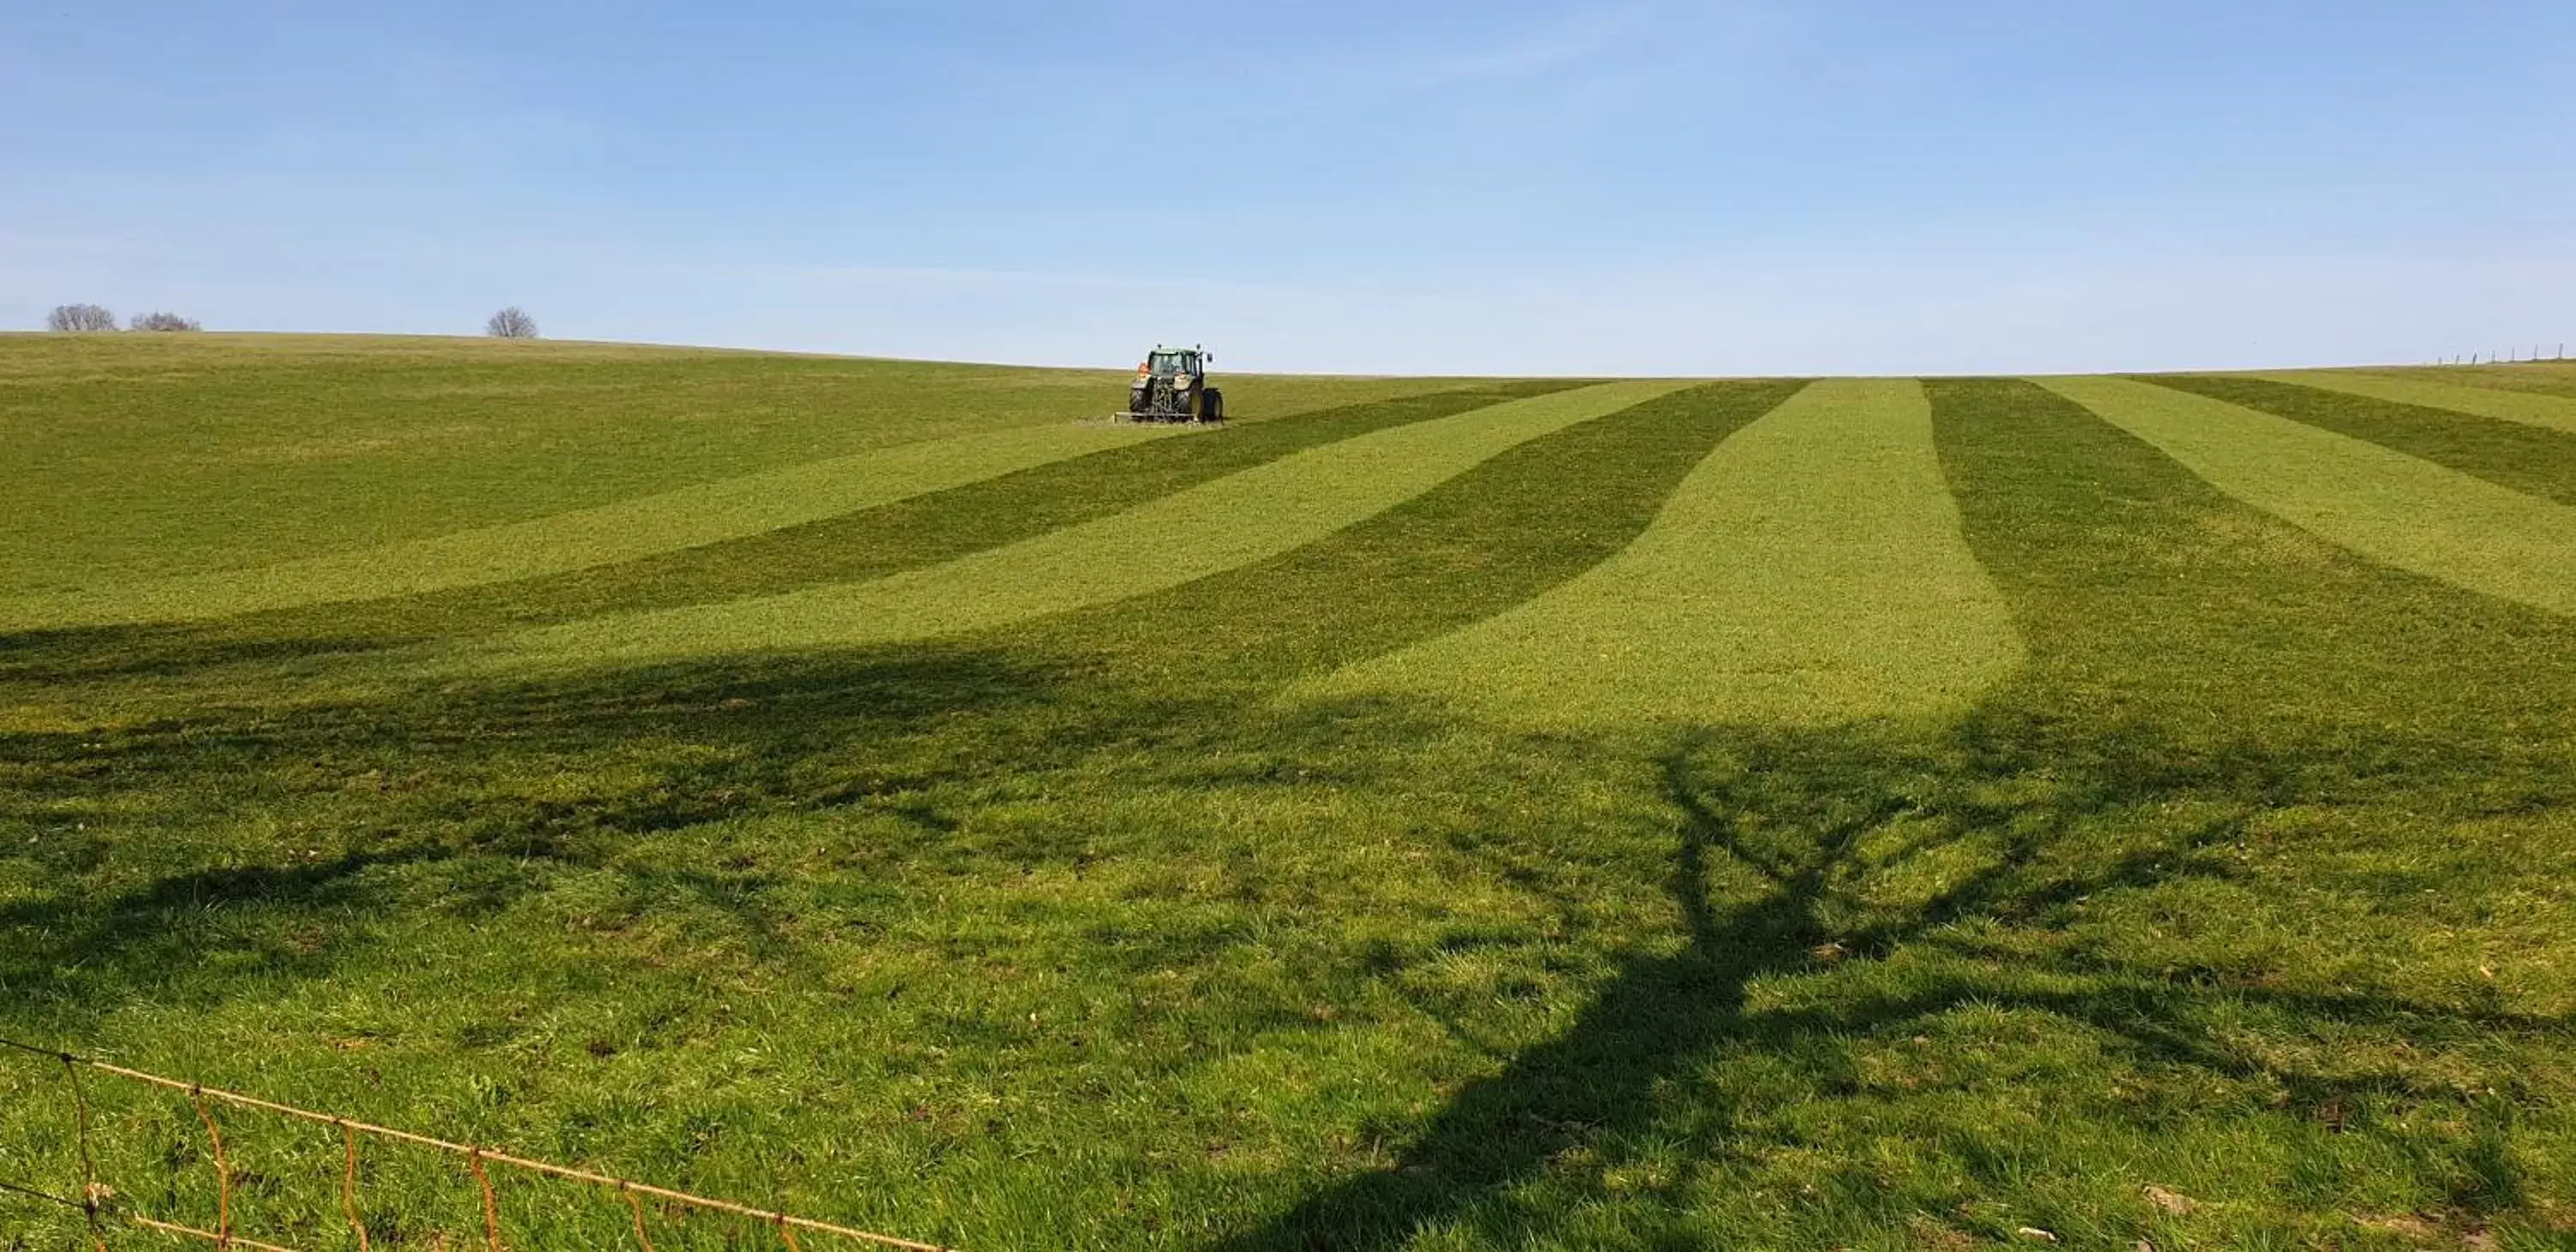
2544,378
831,520
139,459
2253,879
1811,571
2530,459
681,519
2410,513
1205,529
2550,402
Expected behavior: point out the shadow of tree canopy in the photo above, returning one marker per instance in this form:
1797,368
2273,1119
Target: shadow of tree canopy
1782,840
1172,687
2158,886
2203,679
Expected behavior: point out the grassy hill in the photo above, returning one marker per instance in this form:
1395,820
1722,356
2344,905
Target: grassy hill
1440,813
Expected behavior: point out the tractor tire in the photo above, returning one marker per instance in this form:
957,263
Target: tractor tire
1212,406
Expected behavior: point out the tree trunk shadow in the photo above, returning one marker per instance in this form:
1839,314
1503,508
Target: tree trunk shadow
1655,1015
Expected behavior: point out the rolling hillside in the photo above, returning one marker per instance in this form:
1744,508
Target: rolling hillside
1441,813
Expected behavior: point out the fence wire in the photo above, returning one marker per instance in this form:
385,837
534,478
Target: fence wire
101,1205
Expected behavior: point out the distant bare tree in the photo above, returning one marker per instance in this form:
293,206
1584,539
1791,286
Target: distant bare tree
80,317
163,321
511,323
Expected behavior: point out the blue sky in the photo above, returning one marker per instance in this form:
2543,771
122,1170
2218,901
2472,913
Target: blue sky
1510,187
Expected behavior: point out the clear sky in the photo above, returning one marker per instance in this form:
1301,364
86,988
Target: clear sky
1505,186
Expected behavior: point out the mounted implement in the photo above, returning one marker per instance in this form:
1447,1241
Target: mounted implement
1171,386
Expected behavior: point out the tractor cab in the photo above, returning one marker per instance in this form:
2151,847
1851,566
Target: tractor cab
1171,386
1170,362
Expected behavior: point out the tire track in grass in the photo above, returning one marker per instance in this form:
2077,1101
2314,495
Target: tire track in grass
2394,508
2529,459
701,513
873,542
1219,525
1810,571
2552,412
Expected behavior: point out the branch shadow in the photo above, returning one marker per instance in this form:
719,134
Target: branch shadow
1805,819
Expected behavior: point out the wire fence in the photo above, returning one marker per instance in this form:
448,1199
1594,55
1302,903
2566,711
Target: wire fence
101,1206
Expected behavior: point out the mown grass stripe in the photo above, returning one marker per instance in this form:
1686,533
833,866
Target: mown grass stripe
2526,458
1810,571
701,513
2180,634
873,542
2541,378
2265,841
1219,525
1479,543
2554,412
2395,508
135,460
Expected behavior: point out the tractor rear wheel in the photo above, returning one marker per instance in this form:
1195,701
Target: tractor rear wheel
1212,406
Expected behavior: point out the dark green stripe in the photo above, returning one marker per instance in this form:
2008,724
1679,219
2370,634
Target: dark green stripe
2523,457
2193,636
1474,546
2546,379
867,543
871,543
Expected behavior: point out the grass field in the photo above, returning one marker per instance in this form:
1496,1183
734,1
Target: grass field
1427,813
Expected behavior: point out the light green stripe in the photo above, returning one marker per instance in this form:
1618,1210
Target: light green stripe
1216,526
2554,412
702,513
1810,571
2386,505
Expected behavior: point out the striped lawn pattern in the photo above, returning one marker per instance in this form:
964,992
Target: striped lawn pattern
691,516
2554,412
1479,814
914,532
1810,571
2393,508
2530,459
140,460
1221,525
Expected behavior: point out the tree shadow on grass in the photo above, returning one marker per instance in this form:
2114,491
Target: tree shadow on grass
1173,686
494,786
95,653
1783,842
524,773
1655,1012
2119,779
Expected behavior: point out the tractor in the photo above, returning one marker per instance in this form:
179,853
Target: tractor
1171,386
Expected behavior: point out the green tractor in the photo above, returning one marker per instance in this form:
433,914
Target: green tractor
1172,386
